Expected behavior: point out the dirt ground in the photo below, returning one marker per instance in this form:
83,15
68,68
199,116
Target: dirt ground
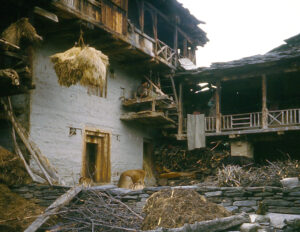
173,208
16,213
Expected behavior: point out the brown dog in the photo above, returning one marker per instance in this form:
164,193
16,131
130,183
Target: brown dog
132,179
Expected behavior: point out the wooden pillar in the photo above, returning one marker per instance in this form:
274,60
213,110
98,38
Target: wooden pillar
154,19
184,47
180,116
141,18
176,44
125,17
218,107
264,102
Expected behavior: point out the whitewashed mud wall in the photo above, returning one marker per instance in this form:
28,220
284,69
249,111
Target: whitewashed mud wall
54,109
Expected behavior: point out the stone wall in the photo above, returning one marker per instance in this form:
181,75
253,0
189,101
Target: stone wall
277,200
43,195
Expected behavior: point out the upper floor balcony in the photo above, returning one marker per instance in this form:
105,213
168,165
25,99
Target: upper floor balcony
149,27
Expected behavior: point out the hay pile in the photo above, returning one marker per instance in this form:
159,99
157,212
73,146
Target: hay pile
173,208
16,213
21,31
12,170
267,175
85,65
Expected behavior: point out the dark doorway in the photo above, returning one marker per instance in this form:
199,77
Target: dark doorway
91,154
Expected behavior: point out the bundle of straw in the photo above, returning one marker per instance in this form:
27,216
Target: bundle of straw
85,65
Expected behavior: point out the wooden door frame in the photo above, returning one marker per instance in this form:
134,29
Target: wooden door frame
98,133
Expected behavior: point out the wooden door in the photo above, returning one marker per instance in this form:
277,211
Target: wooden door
96,156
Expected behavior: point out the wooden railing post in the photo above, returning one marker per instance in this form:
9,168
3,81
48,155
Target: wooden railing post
218,111
264,102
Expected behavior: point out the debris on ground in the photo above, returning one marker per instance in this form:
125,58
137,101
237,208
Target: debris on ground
172,208
16,213
266,175
94,210
195,165
12,170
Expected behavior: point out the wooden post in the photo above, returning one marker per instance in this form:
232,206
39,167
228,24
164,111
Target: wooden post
193,56
218,107
180,117
174,91
185,47
154,19
176,44
141,18
264,102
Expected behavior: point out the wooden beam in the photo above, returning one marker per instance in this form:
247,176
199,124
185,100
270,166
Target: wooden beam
264,102
254,131
218,107
18,151
174,91
46,14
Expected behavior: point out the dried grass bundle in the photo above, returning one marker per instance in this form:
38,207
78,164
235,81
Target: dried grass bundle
12,170
171,208
66,67
267,175
85,65
21,30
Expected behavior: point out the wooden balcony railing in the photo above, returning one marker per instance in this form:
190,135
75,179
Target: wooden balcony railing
283,117
164,51
253,121
241,121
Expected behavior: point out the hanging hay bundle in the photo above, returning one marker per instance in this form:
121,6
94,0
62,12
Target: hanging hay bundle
66,67
21,31
85,65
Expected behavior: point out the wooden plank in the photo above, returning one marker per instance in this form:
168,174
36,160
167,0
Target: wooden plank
147,117
13,46
53,208
139,101
46,14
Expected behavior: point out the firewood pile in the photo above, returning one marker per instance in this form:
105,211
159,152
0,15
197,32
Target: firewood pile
93,210
200,163
266,175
